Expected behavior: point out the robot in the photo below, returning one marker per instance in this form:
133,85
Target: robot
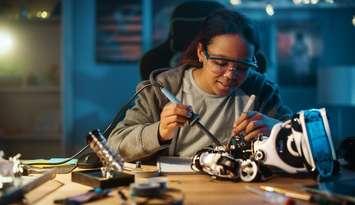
300,145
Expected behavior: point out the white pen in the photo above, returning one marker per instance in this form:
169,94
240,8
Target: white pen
250,104
248,107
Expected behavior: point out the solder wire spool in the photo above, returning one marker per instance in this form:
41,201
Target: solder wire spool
141,171
162,181
145,172
154,186
155,191
146,189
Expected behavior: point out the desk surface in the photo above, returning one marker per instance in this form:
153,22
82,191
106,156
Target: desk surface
197,189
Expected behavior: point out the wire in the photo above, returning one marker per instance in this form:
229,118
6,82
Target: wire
107,130
117,118
61,162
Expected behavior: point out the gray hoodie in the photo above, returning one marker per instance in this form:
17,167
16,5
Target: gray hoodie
136,136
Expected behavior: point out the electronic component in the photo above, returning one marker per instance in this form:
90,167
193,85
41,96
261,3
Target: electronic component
11,167
112,162
111,174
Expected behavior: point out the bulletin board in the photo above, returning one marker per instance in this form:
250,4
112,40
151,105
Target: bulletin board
118,31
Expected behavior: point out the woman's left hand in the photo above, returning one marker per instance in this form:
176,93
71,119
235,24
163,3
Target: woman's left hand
253,124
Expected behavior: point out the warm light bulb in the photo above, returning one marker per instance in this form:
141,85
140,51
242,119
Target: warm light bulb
269,9
44,14
6,42
353,20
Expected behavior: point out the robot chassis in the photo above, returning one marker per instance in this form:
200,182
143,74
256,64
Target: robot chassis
301,144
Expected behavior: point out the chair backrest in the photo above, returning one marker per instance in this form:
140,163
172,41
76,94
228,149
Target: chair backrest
185,23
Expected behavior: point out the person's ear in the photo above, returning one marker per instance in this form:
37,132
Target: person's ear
200,53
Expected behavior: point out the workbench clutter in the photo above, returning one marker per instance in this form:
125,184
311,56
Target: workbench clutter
114,172
144,185
134,187
301,144
15,181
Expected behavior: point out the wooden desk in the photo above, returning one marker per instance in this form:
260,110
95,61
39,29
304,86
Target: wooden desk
197,189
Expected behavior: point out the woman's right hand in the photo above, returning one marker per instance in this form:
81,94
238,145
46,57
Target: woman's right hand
173,116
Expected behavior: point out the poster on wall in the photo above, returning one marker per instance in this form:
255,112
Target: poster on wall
299,49
118,31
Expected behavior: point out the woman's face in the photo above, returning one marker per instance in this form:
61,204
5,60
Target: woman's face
225,64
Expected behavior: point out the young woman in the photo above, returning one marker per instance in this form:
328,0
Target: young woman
215,80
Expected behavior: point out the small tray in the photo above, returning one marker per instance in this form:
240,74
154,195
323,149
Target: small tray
94,178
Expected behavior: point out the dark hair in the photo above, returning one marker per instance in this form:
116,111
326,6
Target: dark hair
220,22
261,62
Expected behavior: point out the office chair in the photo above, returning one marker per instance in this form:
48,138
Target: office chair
185,23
